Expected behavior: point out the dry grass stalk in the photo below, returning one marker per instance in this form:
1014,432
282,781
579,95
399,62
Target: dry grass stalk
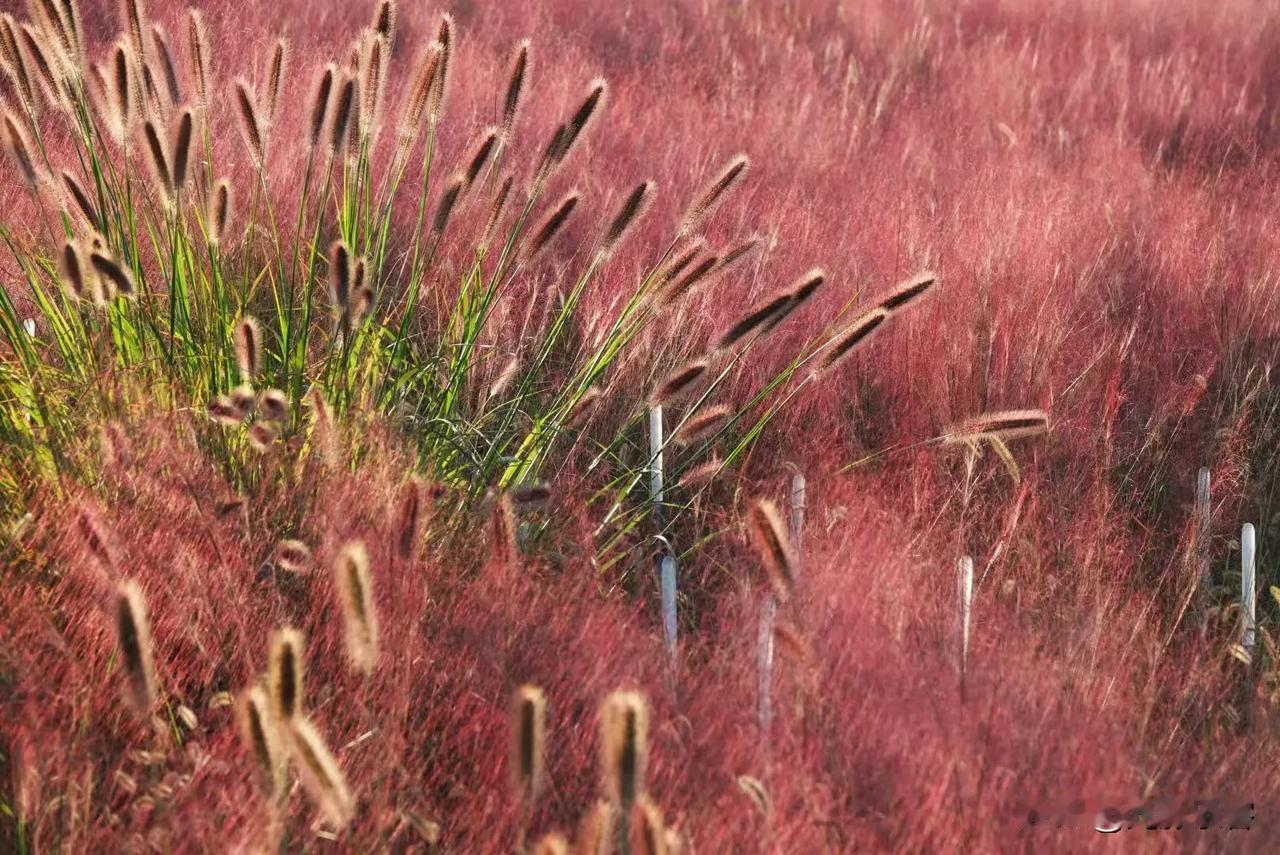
440,79
496,210
340,276
480,157
583,408
695,276
19,149
320,99
418,98
343,113
135,16
81,199
119,280
384,20
159,162
245,400
372,82
71,267
448,200
261,436
701,475
773,311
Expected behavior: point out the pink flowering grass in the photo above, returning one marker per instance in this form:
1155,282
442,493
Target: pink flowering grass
1093,187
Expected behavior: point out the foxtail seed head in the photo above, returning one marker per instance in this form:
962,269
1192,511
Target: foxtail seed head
198,49
907,292
182,149
515,87
219,211
528,742
769,534
633,208
679,382
275,79
1004,425
321,776
248,348
408,517
133,633
354,586
711,197
550,226
250,126
624,747
260,735
285,673
323,94
165,58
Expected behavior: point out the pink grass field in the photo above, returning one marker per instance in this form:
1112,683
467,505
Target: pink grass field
1095,185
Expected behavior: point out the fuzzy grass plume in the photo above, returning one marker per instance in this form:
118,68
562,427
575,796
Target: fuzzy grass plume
353,584
133,636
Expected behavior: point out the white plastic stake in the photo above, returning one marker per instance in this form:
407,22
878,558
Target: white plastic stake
1248,588
669,604
964,590
655,458
667,559
1203,524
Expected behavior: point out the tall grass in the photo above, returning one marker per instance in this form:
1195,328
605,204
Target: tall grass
168,269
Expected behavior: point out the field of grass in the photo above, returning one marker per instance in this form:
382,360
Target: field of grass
680,426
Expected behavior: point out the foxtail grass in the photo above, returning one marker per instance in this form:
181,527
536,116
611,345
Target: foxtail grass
769,534
286,671
353,583
133,635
